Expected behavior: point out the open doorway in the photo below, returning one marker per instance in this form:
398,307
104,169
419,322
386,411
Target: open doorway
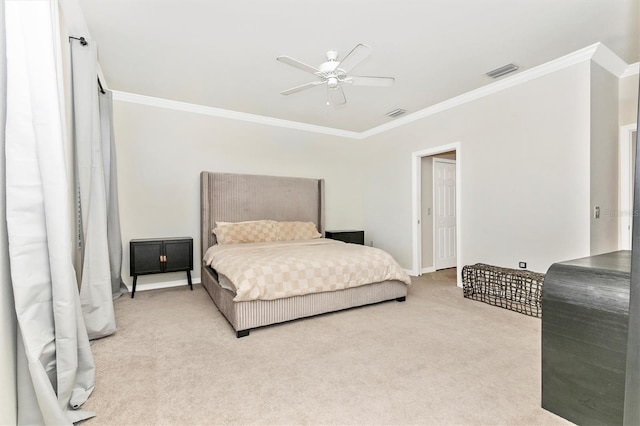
437,212
436,209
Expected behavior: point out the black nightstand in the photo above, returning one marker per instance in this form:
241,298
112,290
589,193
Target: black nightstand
348,236
160,255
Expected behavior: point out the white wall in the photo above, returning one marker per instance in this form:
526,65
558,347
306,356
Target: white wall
525,174
604,160
628,104
526,185
161,153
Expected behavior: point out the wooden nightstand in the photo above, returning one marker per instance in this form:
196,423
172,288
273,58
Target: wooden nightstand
160,255
348,236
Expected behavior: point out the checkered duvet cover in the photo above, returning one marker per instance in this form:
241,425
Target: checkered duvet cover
276,270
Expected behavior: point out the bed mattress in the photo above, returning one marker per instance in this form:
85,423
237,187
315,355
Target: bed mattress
277,270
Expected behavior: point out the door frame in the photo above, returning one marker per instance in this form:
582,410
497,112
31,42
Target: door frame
433,183
625,194
416,227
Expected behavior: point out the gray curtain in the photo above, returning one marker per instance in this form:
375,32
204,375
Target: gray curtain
632,390
96,194
54,365
114,240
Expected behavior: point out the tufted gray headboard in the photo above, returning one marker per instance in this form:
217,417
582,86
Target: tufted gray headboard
235,197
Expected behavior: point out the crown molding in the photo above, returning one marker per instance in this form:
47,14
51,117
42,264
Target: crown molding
232,115
608,60
597,53
633,69
514,80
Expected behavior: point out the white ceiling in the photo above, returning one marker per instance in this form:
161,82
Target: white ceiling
222,53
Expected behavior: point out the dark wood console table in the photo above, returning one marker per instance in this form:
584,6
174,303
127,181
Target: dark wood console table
160,255
585,305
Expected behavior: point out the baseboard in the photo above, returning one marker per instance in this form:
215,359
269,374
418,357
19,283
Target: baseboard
164,284
428,270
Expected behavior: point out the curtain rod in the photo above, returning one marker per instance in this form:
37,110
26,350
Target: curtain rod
100,86
84,42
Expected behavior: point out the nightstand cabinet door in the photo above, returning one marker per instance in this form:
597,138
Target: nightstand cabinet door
146,258
178,255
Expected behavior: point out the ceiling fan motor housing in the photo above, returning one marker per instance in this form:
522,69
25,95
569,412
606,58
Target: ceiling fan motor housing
328,67
335,73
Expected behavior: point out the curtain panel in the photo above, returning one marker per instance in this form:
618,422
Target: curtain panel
55,369
92,147
114,239
8,322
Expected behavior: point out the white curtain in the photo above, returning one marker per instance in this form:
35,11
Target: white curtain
114,239
95,182
55,369
8,322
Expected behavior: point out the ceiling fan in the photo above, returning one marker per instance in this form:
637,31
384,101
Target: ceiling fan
335,73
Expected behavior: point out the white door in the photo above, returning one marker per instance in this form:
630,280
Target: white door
444,219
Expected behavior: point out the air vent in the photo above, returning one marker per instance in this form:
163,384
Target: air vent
396,112
499,72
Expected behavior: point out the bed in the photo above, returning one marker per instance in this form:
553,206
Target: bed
233,198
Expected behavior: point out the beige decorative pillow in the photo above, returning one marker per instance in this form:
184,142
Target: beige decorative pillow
253,231
290,231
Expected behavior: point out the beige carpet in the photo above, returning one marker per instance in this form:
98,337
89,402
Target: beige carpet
436,359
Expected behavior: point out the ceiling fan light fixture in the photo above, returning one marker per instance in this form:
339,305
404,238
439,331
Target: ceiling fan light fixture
506,69
396,112
334,74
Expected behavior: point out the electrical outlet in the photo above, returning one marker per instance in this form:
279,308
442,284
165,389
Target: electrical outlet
523,265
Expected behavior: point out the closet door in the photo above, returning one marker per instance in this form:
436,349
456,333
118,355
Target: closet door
444,194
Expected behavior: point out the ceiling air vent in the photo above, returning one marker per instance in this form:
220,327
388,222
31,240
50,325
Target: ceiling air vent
499,72
396,112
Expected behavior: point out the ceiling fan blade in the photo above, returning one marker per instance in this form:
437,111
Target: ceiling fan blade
300,88
353,59
297,64
370,81
335,96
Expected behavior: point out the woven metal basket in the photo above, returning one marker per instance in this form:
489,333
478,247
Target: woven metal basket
512,289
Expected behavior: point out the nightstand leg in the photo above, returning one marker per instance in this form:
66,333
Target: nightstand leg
189,279
135,280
